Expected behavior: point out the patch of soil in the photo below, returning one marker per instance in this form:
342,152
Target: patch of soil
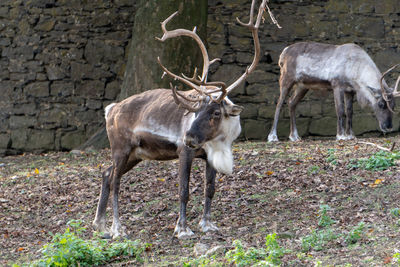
275,188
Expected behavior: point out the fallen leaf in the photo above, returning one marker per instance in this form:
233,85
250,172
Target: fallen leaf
36,171
387,260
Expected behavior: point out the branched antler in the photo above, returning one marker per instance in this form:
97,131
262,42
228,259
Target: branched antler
203,88
386,95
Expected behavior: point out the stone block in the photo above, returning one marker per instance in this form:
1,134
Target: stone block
37,89
25,109
363,123
266,111
45,25
257,90
87,71
61,88
244,57
18,122
261,76
40,3
93,104
254,129
338,6
97,51
55,72
40,140
370,28
323,126
283,127
250,111
19,139
21,52
228,73
387,6
112,90
5,140
71,140
53,118
91,89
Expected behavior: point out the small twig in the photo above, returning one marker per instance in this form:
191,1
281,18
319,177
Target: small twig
378,146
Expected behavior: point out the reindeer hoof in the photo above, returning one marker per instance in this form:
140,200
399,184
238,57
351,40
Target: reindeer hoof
117,231
294,138
183,232
207,226
345,137
273,138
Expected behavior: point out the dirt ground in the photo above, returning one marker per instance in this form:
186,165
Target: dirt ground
275,188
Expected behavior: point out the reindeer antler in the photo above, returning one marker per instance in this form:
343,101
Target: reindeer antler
200,84
394,93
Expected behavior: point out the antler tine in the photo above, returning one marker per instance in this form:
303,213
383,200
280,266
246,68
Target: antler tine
383,90
383,76
250,23
175,95
256,41
176,77
191,34
193,79
395,93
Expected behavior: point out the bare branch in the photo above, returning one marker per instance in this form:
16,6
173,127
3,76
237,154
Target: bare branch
378,146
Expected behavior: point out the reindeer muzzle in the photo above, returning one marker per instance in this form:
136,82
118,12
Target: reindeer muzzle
192,141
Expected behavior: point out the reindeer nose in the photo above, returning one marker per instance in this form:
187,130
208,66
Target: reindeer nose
191,141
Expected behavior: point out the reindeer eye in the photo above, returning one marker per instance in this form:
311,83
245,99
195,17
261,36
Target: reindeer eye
217,113
381,104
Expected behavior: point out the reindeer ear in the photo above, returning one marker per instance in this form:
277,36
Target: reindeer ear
233,110
374,91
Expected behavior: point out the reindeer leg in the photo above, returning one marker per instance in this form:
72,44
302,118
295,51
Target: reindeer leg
285,88
185,163
122,164
209,190
348,97
339,105
99,223
299,93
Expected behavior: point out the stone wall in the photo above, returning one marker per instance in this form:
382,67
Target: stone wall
61,62
374,25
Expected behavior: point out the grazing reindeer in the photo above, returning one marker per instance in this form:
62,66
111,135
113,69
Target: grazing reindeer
152,126
347,70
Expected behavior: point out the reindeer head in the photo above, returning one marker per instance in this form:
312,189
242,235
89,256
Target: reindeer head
385,102
215,116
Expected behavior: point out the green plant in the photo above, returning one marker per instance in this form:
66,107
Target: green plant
270,256
313,170
395,212
275,252
355,234
317,240
331,156
324,219
70,249
396,258
203,261
379,161
242,257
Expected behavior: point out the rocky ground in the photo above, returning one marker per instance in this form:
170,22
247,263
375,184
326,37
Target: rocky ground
275,188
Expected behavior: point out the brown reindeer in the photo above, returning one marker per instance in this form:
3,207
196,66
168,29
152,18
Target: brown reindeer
165,124
347,70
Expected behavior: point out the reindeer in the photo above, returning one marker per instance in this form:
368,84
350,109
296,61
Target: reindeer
347,70
164,124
